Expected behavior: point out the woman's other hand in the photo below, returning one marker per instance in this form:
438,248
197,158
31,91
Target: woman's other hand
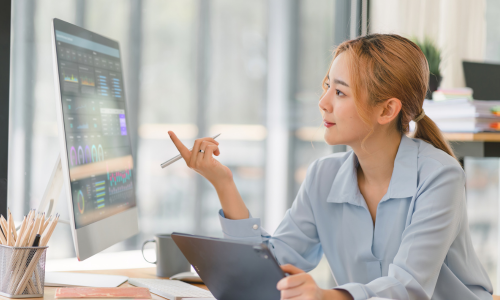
203,162
301,286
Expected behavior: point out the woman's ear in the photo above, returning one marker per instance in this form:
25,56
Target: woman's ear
390,110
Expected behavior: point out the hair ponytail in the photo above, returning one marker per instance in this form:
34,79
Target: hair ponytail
427,130
384,66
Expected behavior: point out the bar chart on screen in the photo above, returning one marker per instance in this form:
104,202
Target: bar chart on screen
100,193
113,122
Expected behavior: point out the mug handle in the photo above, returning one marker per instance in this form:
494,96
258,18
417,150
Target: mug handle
148,241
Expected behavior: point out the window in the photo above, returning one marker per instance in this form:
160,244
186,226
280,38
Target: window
194,67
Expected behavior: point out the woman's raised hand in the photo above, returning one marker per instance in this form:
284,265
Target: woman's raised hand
203,162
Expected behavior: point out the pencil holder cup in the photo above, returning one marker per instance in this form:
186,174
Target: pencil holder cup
22,271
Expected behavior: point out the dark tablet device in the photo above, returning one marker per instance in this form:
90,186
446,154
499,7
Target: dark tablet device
231,269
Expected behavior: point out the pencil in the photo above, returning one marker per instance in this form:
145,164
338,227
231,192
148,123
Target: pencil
2,239
3,224
23,225
46,222
13,225
21,231
52,226
42,221
9,234
34,231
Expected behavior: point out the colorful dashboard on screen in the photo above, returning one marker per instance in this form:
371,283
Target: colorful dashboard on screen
99,154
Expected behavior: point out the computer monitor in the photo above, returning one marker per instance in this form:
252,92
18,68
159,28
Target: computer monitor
95,148
483,79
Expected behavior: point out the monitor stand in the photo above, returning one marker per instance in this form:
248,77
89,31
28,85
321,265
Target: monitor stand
47,205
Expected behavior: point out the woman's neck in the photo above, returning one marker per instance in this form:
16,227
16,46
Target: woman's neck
376,158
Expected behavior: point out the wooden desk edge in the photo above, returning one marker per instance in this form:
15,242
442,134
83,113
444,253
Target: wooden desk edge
131,273
150,273
472,137
469,137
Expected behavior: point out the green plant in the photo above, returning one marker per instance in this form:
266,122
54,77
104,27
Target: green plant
432,53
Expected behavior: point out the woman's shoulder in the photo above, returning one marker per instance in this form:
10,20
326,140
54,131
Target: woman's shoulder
431,160
427,153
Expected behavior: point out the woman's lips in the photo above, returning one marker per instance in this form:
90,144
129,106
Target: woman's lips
328,124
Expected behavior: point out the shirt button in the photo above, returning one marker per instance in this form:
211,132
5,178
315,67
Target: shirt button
255,226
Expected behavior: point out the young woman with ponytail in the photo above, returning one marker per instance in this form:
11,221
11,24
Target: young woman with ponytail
389,215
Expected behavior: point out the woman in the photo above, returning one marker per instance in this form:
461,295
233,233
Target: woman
390,215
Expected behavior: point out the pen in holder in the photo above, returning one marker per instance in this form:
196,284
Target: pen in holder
22,271
22,254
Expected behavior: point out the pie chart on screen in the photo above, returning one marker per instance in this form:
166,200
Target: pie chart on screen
80,200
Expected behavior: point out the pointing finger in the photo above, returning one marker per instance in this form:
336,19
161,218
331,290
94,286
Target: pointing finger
186,154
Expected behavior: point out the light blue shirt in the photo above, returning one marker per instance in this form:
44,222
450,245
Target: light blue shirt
419,247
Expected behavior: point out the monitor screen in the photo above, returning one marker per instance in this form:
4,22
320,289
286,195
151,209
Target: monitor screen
99,155
483,79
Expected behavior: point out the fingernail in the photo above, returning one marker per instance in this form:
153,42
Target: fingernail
169,134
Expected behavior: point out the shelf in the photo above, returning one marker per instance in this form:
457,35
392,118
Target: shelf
472,137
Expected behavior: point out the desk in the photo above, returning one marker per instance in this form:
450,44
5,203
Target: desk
472,137
132,273
483,144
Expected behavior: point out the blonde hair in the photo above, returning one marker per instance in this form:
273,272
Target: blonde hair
385,66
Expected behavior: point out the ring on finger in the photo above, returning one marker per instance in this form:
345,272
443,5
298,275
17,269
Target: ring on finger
202,151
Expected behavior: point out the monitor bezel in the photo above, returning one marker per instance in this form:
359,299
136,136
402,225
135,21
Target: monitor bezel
97,236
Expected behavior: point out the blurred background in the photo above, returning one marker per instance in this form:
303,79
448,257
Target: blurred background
251,70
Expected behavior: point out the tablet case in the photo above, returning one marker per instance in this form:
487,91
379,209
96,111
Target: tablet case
231,269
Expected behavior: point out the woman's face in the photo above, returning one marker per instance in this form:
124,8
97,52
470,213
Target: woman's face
343,124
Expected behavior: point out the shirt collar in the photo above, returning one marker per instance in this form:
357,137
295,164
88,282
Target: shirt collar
403,181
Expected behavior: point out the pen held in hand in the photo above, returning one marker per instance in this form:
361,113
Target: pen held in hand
176,158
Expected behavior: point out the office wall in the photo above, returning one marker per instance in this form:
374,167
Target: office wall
458,27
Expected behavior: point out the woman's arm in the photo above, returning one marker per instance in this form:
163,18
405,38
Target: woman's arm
230,199
219,175
295,241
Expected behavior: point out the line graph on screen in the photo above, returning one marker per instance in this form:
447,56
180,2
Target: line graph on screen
119,177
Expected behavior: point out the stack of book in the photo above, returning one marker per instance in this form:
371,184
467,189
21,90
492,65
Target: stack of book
456,93
463,115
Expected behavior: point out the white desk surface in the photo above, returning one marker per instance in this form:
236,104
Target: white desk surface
103,261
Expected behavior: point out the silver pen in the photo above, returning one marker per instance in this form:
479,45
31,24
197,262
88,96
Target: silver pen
176,158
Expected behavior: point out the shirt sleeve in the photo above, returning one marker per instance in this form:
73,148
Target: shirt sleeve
437,214
296,239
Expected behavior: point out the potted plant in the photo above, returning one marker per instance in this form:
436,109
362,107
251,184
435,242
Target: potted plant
433,55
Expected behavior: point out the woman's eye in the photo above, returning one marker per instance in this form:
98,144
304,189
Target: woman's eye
327,85
339,92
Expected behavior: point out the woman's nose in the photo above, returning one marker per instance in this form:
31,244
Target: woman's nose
325,103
